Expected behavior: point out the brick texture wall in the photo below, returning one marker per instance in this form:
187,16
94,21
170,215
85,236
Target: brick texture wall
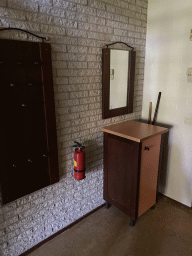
77,31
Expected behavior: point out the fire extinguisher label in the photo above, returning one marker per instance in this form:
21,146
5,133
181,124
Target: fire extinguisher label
75,163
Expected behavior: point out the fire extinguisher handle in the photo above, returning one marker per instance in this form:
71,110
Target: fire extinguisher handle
78,145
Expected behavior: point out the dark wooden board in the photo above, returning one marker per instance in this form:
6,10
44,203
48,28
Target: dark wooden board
49,108
25,121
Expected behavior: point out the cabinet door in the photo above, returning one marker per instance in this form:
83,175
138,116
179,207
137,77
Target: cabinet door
121,162
148,173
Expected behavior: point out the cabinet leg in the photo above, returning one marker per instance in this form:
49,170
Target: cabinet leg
132,222
107,205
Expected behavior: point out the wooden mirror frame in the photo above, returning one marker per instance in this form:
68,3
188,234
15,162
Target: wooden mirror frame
106,111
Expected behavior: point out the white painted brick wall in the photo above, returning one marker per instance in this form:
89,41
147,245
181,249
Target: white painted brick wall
77,31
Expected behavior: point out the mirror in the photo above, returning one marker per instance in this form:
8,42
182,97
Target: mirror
118,71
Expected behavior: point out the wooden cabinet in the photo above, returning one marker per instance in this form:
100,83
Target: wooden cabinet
131,159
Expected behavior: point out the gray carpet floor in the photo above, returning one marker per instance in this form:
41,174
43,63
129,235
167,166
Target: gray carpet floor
164,231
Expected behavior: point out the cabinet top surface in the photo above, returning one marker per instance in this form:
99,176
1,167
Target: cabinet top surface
134,130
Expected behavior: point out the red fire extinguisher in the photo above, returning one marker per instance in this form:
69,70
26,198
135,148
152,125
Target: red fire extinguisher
79,161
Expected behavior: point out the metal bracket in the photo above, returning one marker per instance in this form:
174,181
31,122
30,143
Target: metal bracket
119,42
42,38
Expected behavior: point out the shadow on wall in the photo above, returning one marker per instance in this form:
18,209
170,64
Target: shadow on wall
163,158
94,153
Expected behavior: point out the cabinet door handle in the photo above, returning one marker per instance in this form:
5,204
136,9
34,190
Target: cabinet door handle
146,148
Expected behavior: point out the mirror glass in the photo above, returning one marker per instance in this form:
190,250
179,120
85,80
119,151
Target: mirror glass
118,78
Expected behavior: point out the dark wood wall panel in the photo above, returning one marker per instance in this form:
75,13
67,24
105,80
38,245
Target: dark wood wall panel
25,92
46,71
